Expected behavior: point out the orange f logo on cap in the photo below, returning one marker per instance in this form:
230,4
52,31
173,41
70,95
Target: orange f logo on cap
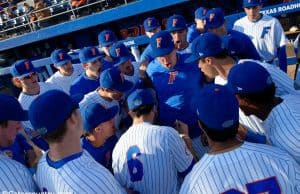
158,42
60,56
174,22
93,51
204,11
27,65
211,16
106,37
118,52
149,22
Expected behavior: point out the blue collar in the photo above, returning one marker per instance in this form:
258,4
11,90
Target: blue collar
61,162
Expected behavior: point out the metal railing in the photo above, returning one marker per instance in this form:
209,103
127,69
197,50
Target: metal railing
63,8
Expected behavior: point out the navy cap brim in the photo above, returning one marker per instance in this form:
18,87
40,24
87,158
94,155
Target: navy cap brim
192,58
94,59
162,51
106,43
126,85
24,75
251,5
201,18
122,60
217,25
151,28
61,63
177,29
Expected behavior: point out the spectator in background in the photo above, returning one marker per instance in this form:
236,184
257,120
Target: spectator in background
41,12
27,8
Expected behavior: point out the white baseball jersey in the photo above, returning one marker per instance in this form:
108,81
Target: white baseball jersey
187,50
251,168
283,125
15,177
79,173
266,34
147,158
26,100
94,97
65,81
136,75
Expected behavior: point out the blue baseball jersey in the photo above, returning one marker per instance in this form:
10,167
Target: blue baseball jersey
83,85
107,64
102,154
146,55
248,50
250,168
15,177
175,87
18,149
193,33
78,173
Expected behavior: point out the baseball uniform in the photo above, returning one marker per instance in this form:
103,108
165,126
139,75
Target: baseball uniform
148,157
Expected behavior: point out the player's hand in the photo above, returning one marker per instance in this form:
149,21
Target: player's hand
182,128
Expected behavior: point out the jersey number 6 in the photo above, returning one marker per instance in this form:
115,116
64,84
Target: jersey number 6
135,166
269,185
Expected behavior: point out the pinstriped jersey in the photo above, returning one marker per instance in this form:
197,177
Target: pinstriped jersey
65,81
14,176
94,97
251,168
147,158
78,173
283,125
266,34
136,75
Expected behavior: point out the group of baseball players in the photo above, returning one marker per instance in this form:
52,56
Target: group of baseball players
205,109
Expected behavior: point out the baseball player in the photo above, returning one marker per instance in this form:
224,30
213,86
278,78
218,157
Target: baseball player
148,158
199,27
176,25
265,32
233,166
66,167
216,23
151,26
106,39
90,58
99,138
174,82
25,77
12,143
67,72
280,115
111,90
15,177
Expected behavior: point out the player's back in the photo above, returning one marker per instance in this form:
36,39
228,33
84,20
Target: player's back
83,85
15,177
78,173
251,168
144,161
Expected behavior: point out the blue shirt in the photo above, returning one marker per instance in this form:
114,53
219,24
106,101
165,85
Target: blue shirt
175,88
192,33
18,149
247,50
146,55
102,154
83,85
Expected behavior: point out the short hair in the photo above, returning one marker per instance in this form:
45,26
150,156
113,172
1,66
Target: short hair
220,135
3,123
221,55
262,97
142,110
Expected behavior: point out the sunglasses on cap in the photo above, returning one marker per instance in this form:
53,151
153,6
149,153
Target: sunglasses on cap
30,75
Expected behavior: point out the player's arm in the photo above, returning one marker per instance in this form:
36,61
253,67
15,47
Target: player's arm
250,136
280,42
282,58
31,156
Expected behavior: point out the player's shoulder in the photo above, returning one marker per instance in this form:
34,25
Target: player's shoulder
241,21
88,98
154,67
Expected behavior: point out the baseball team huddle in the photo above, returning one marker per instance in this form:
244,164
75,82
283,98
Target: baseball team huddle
204,109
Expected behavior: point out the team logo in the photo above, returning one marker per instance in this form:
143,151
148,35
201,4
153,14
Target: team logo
137,102
61,56
228,123
118,50
158,42
149,22
217,89
211,17
174,22
94,52
27,65
42,130
107,36
201,54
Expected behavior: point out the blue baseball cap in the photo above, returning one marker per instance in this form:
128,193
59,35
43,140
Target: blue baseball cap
252,3
249,77
95,114
113,79
150,24
140,97
161,43
50,110
234,45
217,107
106,38
175,23
11,109
214,18
200,13
60,57
119,53
22,68
90,54
205,45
